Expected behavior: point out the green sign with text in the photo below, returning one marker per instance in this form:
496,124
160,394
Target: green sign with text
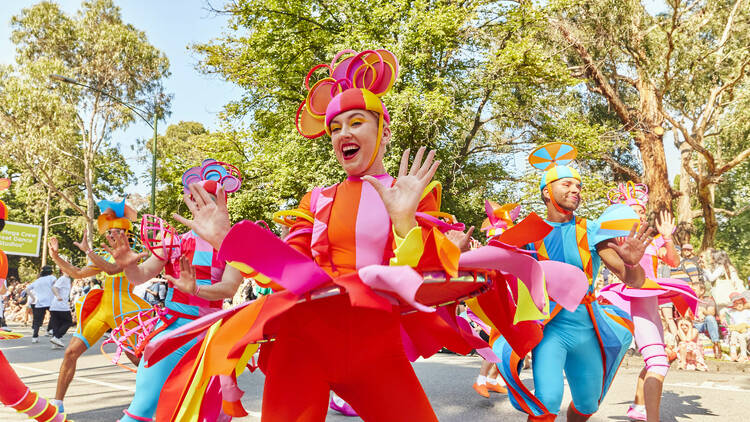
20,239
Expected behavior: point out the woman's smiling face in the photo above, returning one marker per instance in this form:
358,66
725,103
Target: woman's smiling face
354,138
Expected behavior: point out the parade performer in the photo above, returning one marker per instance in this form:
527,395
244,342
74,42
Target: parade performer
13,392
589,343
101,309
499,219
643,303
195,285
345,314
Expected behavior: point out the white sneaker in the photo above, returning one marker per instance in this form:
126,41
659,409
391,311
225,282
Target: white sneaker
35,339
49,333
5,328
56,341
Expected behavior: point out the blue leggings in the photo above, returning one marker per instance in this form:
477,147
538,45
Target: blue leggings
576,351
150,380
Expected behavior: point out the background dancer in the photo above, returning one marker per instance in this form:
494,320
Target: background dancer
643,304
499,219
101,309
587,345
195,284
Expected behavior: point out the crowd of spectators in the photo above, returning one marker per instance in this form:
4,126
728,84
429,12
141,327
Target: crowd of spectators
47,303
720,328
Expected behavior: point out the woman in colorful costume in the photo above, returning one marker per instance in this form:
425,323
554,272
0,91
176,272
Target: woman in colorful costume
643,303
589,342
195,284
346,273
101,309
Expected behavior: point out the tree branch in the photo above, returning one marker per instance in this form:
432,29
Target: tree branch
632,174
733,163
727,30
594,74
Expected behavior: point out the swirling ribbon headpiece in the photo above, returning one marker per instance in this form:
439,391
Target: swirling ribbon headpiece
629,194
211,174
499,218
353,81
115,215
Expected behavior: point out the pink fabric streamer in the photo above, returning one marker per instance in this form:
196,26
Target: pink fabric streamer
484,352
401,280
619,294
270,256
526,268
188,331
566,284
229,388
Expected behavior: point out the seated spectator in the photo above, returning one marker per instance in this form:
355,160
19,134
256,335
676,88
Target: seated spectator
706,318
670,339
690,352
738,320
689,270
723,277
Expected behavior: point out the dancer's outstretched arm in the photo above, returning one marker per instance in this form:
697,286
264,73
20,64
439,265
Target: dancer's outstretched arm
99,262
224,289
665,226
71,270
623,258
127,259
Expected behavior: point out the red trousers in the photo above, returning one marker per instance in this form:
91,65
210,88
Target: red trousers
326,345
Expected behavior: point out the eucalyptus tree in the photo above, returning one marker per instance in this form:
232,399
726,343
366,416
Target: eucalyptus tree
94,48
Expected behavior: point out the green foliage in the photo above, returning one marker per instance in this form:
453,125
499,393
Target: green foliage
474,81
56,138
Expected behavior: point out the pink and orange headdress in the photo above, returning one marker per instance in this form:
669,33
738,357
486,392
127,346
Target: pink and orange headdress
499,218
629,194
354,81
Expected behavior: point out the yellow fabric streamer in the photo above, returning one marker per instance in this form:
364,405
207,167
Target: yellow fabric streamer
190,409
526,310
409,249
473,304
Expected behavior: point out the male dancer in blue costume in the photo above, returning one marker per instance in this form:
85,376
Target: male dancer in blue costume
588,344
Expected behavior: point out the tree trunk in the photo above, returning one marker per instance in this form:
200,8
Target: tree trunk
648,138
706,198
655,171
684,209
46,229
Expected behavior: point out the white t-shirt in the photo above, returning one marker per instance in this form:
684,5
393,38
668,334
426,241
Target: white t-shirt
42,288
62,285
740,317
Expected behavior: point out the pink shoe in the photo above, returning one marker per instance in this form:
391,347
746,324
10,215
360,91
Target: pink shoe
635,415
342,407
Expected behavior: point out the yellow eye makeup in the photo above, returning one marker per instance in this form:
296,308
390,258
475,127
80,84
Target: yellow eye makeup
335,126
356,120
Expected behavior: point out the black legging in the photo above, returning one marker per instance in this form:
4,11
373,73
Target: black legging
38,313
60,321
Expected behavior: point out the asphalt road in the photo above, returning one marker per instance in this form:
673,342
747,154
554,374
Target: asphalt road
101,390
